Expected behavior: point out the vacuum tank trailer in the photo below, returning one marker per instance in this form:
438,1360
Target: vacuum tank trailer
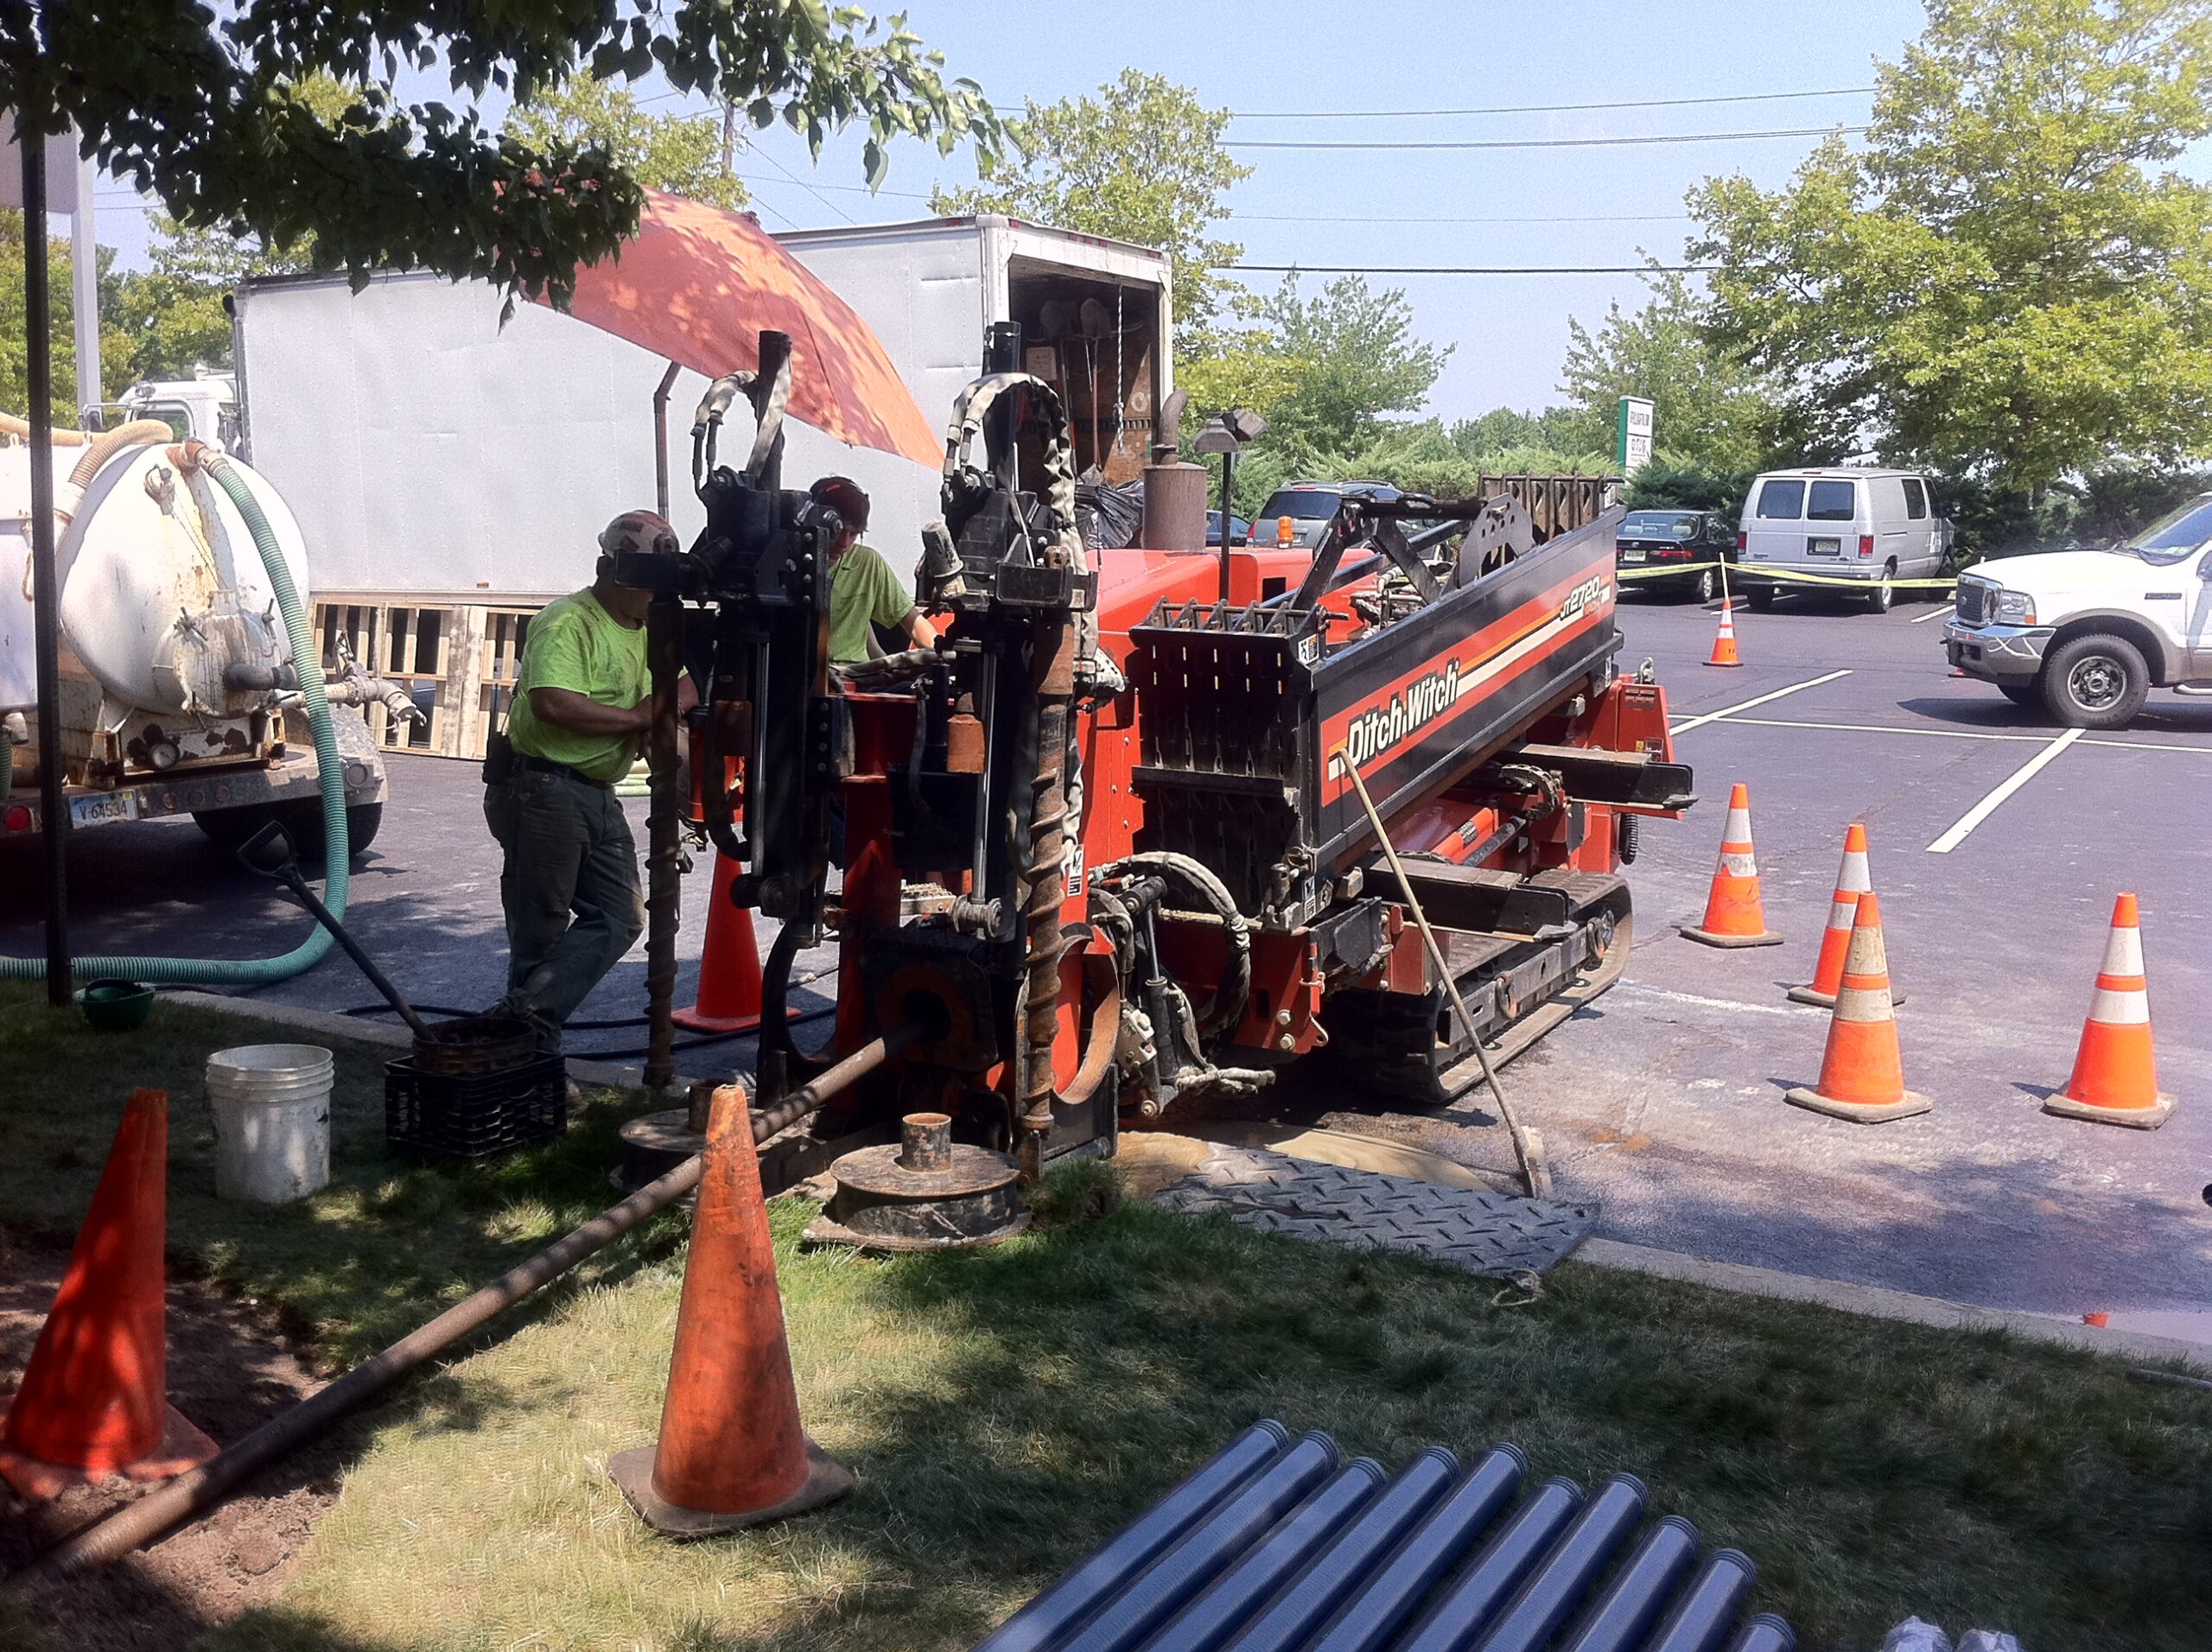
1106,848
178,692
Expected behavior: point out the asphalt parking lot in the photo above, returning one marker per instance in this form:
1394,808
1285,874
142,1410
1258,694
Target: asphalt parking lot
1998,844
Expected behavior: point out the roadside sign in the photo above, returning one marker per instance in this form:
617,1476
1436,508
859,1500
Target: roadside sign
1633,450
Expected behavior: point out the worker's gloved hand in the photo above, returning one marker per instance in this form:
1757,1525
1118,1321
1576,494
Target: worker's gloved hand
906,666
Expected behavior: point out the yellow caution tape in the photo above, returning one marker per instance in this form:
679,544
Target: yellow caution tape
1669,570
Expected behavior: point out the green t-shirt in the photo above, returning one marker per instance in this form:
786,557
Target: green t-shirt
576,644
863,591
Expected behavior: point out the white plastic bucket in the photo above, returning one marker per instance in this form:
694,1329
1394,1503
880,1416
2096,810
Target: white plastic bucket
271,1103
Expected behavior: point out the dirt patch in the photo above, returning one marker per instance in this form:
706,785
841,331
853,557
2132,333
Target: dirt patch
229,1370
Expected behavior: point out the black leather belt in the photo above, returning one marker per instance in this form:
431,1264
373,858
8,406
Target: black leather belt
547,765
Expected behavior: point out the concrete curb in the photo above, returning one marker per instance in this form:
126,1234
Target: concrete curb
1874,1301
330,1025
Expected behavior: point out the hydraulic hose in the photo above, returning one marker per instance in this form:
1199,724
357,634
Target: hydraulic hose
250,972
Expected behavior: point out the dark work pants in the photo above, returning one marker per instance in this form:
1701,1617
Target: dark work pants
568,853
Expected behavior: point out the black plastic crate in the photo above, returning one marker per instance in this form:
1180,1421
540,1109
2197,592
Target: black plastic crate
434,1117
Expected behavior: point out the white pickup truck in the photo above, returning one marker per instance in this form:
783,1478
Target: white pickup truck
2088,634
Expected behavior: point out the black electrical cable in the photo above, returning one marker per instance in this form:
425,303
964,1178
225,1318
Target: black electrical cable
702,1042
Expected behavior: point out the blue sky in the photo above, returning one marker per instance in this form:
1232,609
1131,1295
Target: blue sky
1508,333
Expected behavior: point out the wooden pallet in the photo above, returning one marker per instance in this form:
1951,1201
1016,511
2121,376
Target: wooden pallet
456,660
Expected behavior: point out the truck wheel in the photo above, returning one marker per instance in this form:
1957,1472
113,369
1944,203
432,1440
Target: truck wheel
304,822
228,827
2028,694
1761,597
1880,598
2098,681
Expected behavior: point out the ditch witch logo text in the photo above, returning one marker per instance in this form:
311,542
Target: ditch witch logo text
1423,703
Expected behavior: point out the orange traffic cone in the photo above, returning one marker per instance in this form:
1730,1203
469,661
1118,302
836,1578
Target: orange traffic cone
1733,915
730,964
1724,640
1862,1076
1851,880
94,1399
731,1451
2115,1074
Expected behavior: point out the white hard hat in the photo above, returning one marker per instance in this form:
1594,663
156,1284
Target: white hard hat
638,530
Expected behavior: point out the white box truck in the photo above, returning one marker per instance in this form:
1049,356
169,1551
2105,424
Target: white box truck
434,456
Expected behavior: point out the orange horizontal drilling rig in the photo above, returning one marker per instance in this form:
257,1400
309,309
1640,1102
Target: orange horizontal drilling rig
1111,848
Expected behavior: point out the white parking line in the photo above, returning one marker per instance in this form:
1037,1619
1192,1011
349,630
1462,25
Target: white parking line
1965,733
1886,729
1729,711
1634,988
1921,620
1989,806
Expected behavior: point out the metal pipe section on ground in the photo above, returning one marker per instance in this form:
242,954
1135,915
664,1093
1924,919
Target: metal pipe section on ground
1621,1618
1701,1618
1041,1623
1573,1565
195,1492
1367,1621
1209,1621
1271,1547
1308,1598
1155,1593
1468,1601
1765,1633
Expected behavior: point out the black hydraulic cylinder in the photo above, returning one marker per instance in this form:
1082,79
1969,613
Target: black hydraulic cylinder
1470,1599
1156,1594
1120,1557
1701,1618
1319,1588
1573,1565
1765,1633
1209,1621
1647,1579
1371,1617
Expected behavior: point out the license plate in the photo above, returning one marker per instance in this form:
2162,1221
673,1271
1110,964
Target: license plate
103,807
1632,553
1824,547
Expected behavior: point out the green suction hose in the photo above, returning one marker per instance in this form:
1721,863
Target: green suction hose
307,659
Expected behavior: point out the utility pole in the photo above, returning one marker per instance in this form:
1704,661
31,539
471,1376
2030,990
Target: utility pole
46,610
729,136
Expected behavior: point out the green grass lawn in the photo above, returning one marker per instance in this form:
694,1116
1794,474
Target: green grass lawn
1006,1409
365,1261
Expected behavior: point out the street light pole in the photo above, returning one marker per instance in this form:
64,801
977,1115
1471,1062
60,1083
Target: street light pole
1228,514
45,610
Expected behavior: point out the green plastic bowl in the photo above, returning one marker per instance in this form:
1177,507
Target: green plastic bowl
116,1006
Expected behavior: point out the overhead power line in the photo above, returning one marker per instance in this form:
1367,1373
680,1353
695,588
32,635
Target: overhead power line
1426,218
1531,142
1471,268
1536,109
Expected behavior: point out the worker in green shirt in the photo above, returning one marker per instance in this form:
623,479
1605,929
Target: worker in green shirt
863,591
568,881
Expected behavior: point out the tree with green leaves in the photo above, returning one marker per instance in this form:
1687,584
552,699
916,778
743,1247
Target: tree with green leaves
680,154
207,110
1141,161
1358,360
1707,408
14,382
2010,281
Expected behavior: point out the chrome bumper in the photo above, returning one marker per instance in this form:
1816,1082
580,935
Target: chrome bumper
1995,651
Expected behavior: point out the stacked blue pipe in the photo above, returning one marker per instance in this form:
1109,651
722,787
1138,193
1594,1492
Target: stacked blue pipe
1277,1545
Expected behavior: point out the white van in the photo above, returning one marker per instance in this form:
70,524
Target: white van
1845,523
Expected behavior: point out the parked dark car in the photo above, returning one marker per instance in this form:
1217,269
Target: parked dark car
1655,538
1311,506
1240,530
